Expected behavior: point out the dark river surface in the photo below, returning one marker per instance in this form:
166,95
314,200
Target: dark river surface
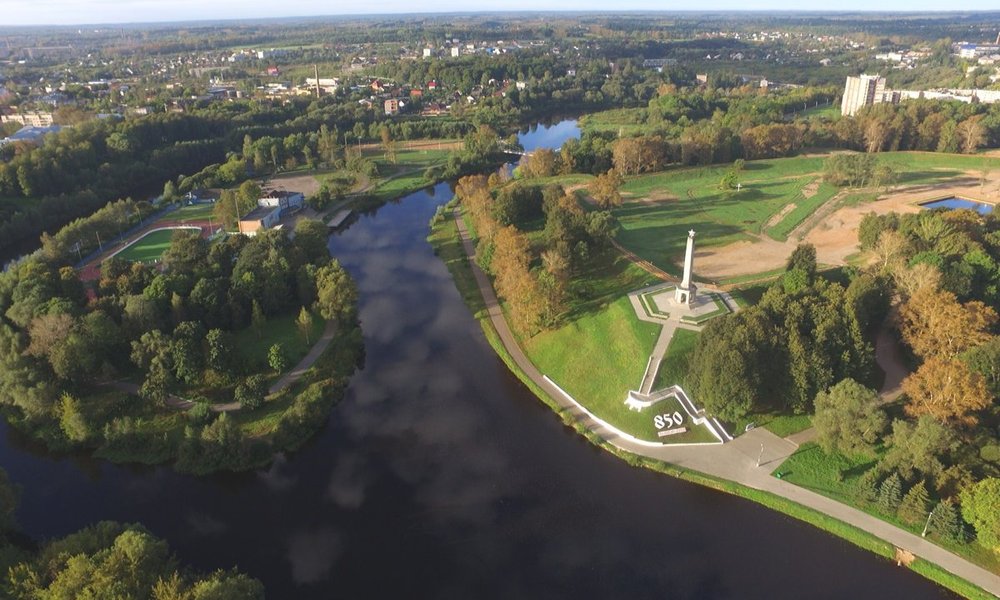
441,476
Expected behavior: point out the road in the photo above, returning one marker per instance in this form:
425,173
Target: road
735,461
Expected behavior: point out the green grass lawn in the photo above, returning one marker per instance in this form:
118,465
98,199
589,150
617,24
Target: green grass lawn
277,330
191,212
830,111
674,366
689,198
149,247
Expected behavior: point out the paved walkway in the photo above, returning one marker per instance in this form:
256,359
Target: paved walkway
736,461
308,360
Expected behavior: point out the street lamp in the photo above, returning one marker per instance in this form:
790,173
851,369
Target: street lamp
928,523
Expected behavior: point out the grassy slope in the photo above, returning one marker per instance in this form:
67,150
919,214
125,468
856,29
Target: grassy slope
674,366
444,237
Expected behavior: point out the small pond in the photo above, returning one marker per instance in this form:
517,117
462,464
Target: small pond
955,202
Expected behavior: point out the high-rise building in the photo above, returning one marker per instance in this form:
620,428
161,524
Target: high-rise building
864,90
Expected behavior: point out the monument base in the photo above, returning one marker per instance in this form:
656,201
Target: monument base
685,296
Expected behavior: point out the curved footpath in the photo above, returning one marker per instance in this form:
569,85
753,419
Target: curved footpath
735,461
286,380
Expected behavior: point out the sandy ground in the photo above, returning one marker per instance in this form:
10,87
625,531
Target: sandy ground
834,235
294,182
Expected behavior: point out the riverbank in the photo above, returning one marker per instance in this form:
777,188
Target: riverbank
724,468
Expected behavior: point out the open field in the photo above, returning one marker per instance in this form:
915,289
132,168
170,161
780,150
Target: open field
253,348
782,202
149,247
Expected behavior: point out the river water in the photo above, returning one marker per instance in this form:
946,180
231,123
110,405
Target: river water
441,476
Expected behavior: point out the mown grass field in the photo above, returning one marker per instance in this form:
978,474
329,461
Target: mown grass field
149,247
660,207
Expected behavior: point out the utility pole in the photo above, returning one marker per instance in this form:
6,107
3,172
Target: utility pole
100,246
316,73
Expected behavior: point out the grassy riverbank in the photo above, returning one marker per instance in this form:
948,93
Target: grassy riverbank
444,238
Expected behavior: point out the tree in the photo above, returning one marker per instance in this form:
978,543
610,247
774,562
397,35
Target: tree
250,392
804,258
913,508
848,419
917,448
604,189
543,162
981,509
305,324
311,236
71,420
336,294
971,133
890,494
985,360
257,319
946,390
866,487
170,192
946,522
276,358
220,350
934,323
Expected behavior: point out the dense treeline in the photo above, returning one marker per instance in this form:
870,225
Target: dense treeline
105,560
537,295
804,335
173,329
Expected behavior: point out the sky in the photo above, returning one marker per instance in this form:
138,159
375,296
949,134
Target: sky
72,12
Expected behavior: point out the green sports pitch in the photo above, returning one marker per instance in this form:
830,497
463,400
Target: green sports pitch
149,247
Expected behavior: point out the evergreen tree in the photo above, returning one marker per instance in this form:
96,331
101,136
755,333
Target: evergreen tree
866,487
946,522
890,494
913,509
257,319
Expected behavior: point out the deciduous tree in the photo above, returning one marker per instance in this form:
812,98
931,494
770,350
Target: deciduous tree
947,390
935,323
981,509
848,419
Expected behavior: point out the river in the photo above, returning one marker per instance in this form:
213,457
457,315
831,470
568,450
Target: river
441,476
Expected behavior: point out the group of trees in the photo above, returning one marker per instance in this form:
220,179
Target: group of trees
804,335
941,453
534,279
172,327
105,560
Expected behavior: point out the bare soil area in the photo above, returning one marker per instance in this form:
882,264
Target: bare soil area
295,182
835,236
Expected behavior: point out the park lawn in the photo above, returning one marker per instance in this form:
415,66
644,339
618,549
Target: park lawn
834,476
149,247
279,329
400,186
597,358
804,208
674,366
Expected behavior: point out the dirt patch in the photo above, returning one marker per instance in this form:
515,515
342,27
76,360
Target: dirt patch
835,236
810,190
778,216
294,182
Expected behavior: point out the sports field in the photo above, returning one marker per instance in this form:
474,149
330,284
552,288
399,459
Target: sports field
149,247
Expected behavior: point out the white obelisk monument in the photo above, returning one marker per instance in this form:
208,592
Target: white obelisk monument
684,294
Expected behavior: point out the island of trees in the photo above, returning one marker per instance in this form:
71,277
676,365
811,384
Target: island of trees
174,361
